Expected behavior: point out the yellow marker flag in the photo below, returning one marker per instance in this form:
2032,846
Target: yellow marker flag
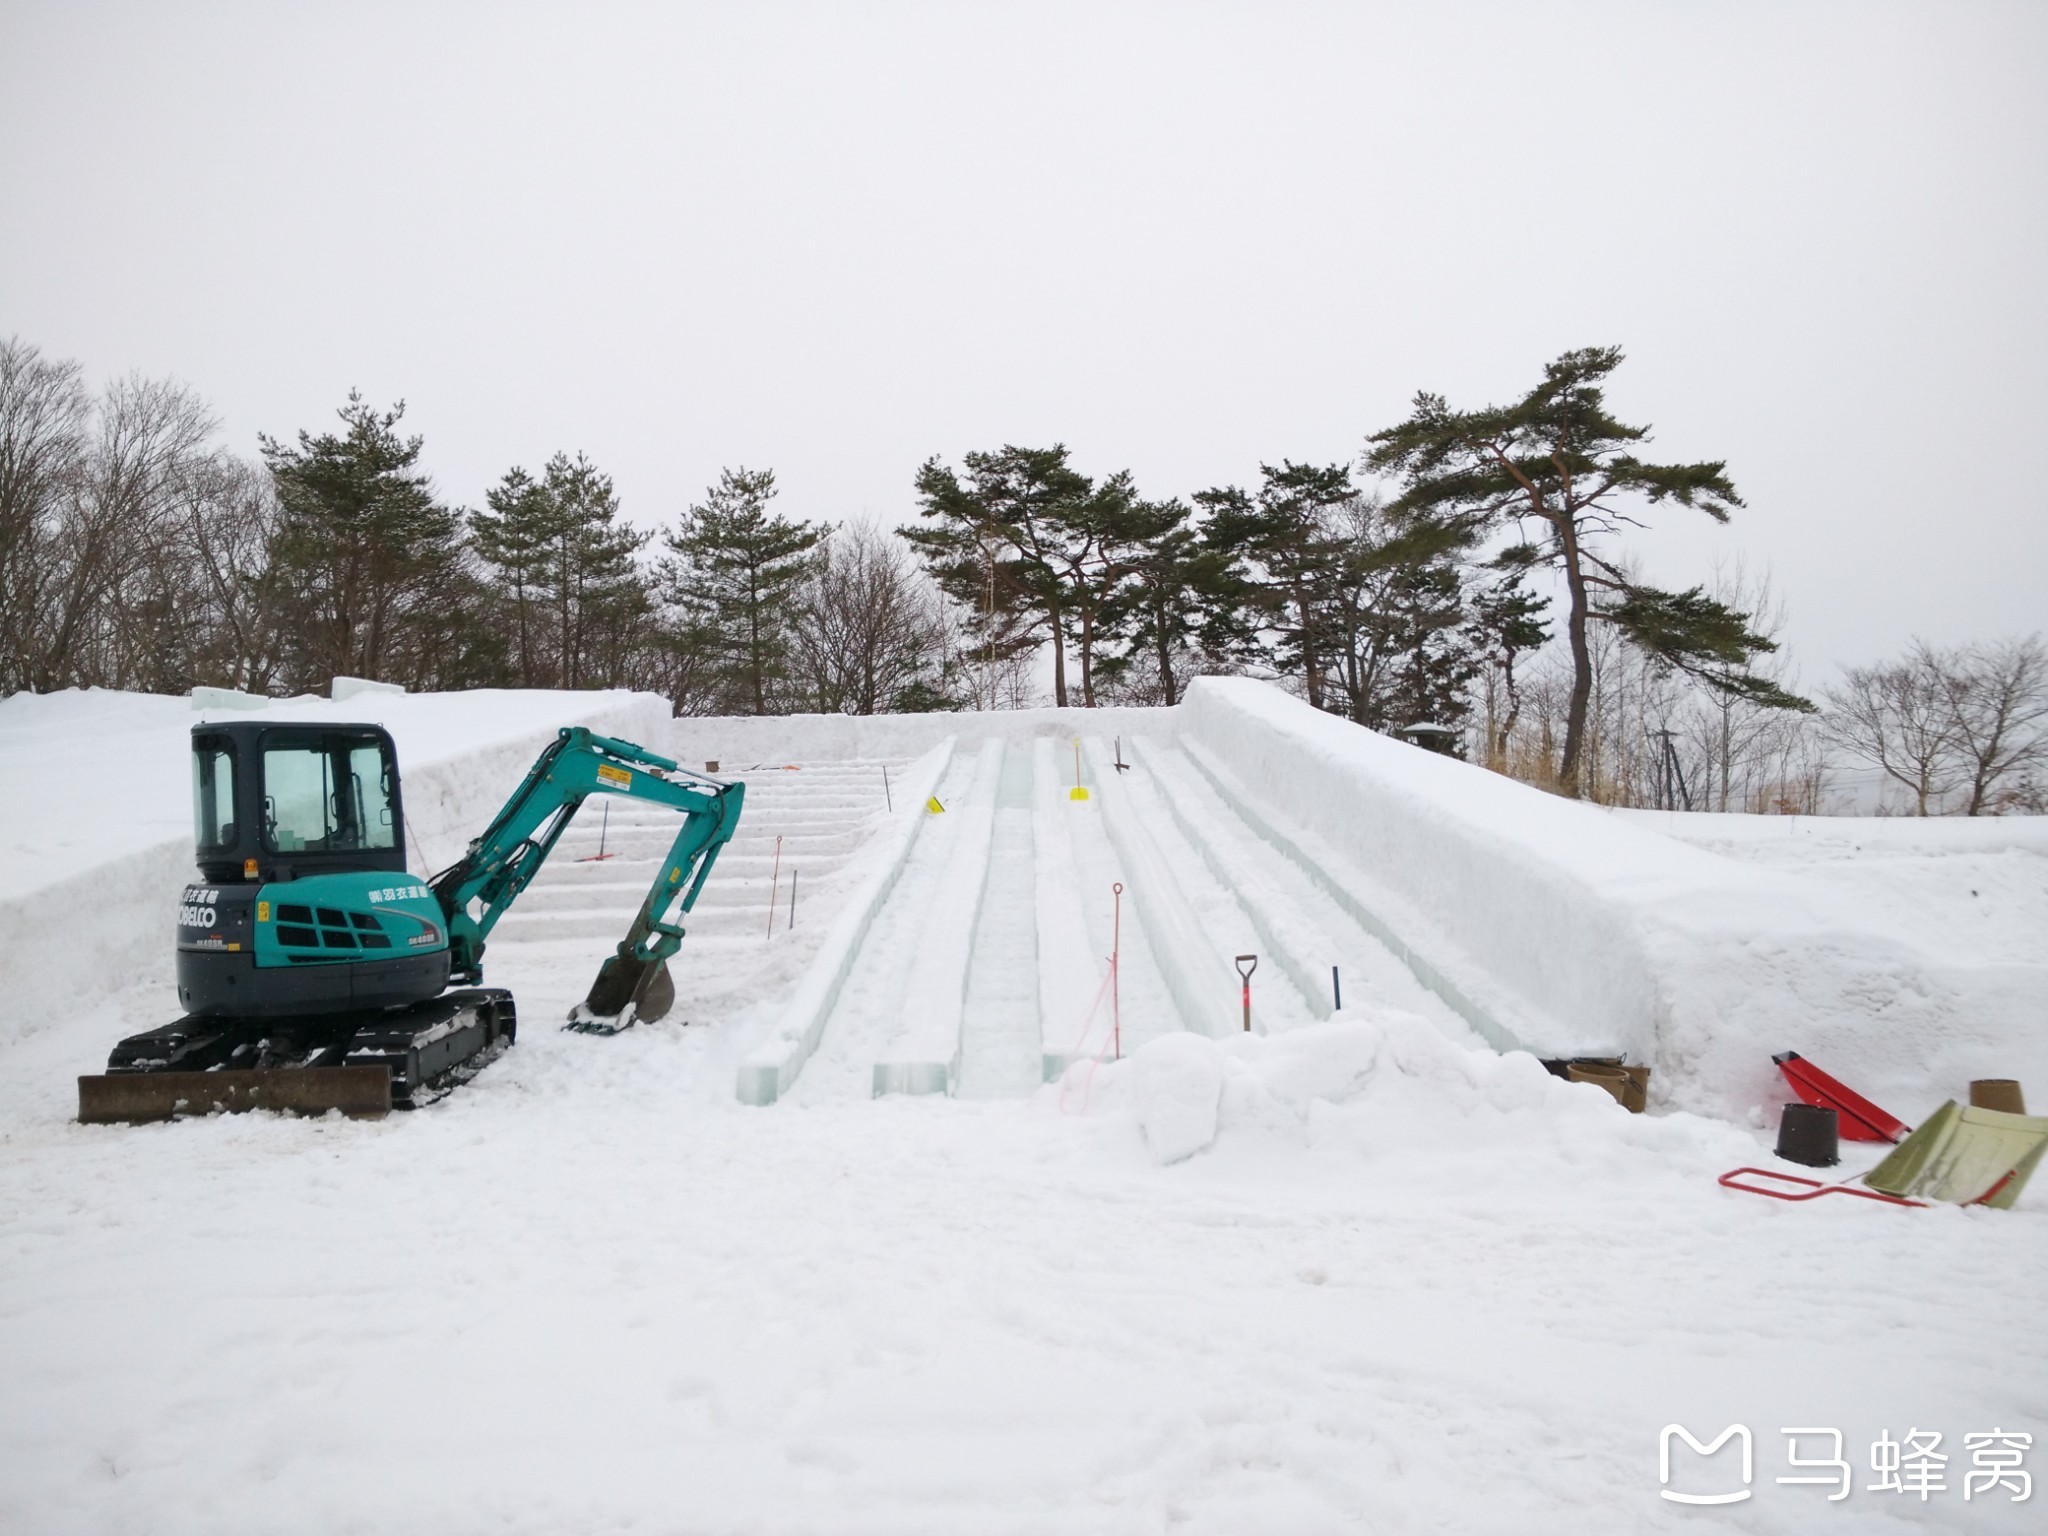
932,805
1077,793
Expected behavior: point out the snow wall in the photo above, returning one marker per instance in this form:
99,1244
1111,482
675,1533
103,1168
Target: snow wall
104,918
1577,930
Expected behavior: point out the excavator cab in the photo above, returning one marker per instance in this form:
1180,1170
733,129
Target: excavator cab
281,802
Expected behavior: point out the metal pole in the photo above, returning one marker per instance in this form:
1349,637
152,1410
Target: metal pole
774,882
1337,989
886,796
1116,949
792,899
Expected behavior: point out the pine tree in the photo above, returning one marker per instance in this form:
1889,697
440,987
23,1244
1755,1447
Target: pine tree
560,552
1506,625
1005,543
1180,602
735,574
1392,589
1283,533
375,558
1431,662
510,538
1558,457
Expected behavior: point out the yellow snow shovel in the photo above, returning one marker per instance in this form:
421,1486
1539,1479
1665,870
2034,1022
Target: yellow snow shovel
1968,1155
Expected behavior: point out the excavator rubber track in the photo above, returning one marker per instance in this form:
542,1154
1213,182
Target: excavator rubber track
362,1063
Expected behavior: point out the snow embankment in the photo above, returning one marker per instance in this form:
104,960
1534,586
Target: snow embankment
96,814
1575,931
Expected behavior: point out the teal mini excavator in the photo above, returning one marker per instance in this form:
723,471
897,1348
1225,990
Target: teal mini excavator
316,973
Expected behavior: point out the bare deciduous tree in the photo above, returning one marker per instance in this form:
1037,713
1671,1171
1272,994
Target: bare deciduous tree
44,416
868,638
1997,698
1896,716
1969,720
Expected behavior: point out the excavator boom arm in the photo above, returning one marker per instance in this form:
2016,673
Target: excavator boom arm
501,862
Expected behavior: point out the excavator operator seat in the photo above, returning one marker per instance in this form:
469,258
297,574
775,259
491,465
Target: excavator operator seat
281,801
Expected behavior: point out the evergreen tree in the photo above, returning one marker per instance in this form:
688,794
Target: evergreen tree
375,558
1003,544
1431,662
1393,591
1506,625
1283,533
1558,457
510,538
1094,540
568,564
1181,603
735,574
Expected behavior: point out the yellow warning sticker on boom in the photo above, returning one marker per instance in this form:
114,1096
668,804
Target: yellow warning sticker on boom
623,777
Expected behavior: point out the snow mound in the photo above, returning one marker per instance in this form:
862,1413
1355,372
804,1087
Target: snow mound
1391,1086
1177,1088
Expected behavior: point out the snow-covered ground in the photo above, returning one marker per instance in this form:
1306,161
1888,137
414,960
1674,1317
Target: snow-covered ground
1354,1271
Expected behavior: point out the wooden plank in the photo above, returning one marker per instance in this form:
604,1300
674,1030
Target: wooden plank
116,1097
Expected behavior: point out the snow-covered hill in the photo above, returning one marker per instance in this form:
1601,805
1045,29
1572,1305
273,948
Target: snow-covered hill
1358,1269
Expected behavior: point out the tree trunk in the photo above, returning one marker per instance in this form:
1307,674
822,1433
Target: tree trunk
1166,680
1582,660
1059,656
1727,753
525,637
1507,724
565,670
754,661
1312,673
1087,657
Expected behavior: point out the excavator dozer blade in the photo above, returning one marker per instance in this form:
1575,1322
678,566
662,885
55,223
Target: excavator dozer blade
110,1098
627,991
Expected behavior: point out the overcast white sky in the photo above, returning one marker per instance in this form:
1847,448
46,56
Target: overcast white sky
836,239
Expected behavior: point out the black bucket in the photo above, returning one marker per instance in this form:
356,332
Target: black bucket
1808,1134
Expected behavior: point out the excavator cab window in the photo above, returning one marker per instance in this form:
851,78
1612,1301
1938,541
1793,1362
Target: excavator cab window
327,795
213,796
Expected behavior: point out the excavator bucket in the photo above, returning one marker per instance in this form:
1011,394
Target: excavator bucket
628,991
